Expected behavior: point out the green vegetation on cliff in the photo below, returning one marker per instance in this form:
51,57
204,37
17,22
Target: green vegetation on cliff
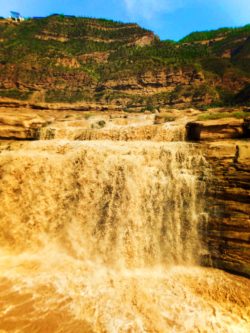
214,34
72,59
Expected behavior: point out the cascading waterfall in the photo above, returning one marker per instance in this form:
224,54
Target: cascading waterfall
98,236
168,132
132,205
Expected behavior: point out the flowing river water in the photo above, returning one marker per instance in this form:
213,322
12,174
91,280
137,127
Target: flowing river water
106,237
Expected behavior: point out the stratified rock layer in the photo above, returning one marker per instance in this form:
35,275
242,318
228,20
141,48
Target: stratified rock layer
228,230
62,59
228,128
21,126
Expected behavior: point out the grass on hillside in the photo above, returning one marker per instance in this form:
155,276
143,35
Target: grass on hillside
24,51
221,115
211,34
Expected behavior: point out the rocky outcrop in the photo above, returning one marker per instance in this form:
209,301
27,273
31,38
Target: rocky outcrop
228,228
10,104
21,126
210,130
153,82
79,59
227,150
54,37
146,40
68,62
98,57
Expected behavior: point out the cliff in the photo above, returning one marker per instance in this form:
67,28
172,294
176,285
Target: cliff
226,146
61,59
229,198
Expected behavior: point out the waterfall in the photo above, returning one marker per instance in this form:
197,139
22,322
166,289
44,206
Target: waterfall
102,236
128,204
168,132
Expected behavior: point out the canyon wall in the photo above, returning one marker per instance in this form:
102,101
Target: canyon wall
75,60
228,232
227,149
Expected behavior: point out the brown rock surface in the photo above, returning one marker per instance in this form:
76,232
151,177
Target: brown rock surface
148,39
228,229
151,82
21,125
99,57
210,130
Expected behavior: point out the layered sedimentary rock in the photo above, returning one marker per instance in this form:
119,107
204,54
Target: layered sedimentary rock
151,82
60,59
21,126
228,230
218,129
227,149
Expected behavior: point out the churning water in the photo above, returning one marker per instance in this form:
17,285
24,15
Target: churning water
98,236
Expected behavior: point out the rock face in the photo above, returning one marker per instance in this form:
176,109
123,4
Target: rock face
60,59
21,126
150,82
213,130
227,149
228,229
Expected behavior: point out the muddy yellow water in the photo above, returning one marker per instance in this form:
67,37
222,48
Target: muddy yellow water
57,294
103,237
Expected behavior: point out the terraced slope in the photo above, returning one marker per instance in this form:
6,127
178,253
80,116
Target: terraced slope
81,60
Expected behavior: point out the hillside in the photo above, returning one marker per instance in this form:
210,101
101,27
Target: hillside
67,59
